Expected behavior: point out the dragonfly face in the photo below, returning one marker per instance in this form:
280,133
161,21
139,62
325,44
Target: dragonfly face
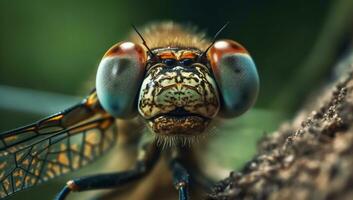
177,84
178,95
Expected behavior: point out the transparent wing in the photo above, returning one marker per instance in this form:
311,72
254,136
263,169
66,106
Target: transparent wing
55,145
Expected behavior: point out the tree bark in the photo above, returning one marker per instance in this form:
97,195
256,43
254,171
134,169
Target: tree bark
310,157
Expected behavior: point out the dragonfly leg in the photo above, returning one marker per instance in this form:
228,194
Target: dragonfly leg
148,156
180,179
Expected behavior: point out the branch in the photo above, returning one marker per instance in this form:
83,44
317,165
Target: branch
309,158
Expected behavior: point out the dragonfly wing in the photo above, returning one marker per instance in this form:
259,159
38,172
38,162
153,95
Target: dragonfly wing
55,145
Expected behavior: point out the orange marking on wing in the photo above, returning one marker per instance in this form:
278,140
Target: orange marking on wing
63,159
74,147
10,139
93,137
63,147
106,124
93,104
27,179
59,117
25,162
56,169
76,162
19,156
49,165
88,151
50,174
30,129
91,100
6,184
16,173
37,172
18,183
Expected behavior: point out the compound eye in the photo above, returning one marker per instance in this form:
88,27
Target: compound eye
119,77
236,76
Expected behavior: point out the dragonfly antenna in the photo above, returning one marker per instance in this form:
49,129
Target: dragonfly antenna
143,40
214,38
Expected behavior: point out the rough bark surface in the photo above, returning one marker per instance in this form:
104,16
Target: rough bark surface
310,157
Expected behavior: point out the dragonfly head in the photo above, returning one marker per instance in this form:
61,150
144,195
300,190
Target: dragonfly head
178,95
177,90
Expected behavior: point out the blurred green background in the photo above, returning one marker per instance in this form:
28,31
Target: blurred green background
55,46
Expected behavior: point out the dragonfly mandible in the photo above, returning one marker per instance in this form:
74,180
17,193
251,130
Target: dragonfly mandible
170,78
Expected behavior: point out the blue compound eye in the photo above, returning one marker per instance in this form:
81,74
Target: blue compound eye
236,76
119,77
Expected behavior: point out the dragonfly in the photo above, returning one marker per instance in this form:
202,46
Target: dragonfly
168,77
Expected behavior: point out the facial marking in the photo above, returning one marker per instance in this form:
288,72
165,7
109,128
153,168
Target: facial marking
166,90
163,91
